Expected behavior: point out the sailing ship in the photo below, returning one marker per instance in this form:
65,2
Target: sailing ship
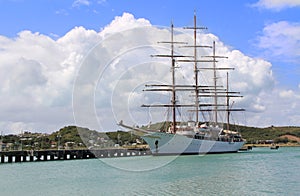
194,137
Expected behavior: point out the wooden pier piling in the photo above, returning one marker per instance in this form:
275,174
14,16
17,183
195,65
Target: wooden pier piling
52,155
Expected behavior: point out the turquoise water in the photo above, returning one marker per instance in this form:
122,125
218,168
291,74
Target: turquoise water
258,172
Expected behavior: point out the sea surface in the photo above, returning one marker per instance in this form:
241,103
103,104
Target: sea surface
261,171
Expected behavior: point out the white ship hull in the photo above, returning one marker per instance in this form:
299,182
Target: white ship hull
162,143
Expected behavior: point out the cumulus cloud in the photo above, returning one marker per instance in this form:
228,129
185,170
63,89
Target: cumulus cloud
277,5
124,66
281,39
37,75
282,109
122,23
107,70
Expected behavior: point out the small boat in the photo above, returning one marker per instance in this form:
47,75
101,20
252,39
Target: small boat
274,147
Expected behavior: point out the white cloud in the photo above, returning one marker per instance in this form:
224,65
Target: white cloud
291,95
281,39
260,108
277,5
62,12
122,23
78,3
287,94
110,68
295,119
37,76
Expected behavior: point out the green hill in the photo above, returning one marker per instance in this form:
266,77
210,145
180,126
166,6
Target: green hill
78,137
253,134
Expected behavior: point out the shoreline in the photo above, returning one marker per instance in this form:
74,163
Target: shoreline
269,145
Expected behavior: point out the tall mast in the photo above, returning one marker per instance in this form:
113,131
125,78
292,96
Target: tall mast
227,101
172,87
173,80
213,91
216,92
215,85
196,70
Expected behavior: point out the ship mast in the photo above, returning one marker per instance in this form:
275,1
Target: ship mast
228,95
173,80
216,92
173,87
215,85
227,101
196,71
213,91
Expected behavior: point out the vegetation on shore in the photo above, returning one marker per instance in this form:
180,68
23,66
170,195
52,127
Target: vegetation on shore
254,135
69,137
78,137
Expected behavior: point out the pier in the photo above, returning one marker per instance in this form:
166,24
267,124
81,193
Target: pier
55,155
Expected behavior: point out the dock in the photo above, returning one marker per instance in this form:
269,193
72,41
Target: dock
56,155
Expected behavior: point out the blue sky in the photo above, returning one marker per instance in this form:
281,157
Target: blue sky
237,23
63,30
227,18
